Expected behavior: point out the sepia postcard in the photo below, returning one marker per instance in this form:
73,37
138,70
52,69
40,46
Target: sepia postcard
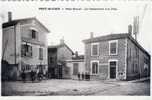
76,48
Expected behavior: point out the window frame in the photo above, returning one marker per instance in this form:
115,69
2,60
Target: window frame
92,44
110,42
28,51
36,33
117,64
95,61
40,53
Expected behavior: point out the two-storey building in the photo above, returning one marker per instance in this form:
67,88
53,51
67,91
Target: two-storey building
116,56
57,56
24,46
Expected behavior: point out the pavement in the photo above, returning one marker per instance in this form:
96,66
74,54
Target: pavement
74,87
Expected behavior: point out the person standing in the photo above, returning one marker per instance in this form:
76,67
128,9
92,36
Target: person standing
23,75
32,75
79,76
83,77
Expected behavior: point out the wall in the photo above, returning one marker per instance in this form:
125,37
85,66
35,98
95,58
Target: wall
133,59
63,53
8,44
11,45
104,57
81,67
25,30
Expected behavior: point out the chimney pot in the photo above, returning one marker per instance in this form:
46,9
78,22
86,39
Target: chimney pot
9,16
62,41
130,29
91,35
76,54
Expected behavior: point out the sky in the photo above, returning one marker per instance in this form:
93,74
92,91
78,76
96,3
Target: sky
75,26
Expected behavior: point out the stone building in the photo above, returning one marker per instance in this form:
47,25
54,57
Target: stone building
116,56
57,56
24,46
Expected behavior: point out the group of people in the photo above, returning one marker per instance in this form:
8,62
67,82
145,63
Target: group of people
84,76
33,76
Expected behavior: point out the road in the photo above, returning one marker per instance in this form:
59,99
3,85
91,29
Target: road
75,87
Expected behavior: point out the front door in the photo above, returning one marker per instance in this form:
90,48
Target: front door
75,69
113,69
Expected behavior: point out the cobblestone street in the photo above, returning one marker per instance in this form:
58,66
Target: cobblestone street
75,87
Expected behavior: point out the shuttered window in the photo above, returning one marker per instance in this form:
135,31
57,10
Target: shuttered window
26,50
41,53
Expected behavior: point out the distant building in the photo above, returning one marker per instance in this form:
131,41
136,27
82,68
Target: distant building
76,66
116,56
24,46
57,56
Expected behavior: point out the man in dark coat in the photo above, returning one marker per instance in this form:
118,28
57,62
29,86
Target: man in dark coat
32,74
79,76
83,76
23,75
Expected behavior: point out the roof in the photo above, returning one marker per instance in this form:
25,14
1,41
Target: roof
106,37
79,57
61,45
14,22
115,36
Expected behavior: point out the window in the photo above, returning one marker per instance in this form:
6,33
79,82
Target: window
41,53
94,49
26,50
51,60
113,45
146,64
34,34
94,66
26,68
75,68
135,68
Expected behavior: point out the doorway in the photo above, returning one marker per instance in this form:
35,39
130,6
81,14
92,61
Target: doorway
113,69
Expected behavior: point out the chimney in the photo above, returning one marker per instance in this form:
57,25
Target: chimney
76,54
91,34
9,16
62,41
130,29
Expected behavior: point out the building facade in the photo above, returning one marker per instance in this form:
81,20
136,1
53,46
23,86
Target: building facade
76,66
116,56
57,56
24,46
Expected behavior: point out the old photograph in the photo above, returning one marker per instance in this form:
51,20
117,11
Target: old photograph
66,48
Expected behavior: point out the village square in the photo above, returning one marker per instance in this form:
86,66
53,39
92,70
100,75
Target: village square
112,64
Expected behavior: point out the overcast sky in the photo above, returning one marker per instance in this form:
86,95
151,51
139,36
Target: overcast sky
76,26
